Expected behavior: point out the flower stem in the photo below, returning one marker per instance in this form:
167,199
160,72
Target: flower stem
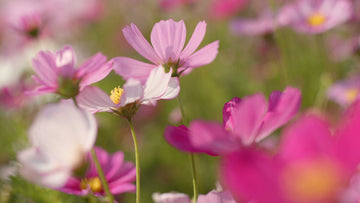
192,156
136,161
102,176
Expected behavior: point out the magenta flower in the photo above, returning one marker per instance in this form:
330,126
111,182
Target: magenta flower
56,72
309,16
313,164
345,92
211,197
167,39
246,121
118,173
159,85
221,9
60,137
262,25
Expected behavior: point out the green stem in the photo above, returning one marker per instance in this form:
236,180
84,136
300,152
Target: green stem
192,156
136,161
102,176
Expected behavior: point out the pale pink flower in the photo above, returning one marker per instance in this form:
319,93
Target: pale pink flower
345,92
167,39
246,121
57,73
118,174
159,85
211,197
315,163
315,16
60,138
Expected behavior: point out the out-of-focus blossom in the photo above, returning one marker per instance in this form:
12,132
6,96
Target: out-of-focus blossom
341,49
221,9
246,121
118,174
14,96
167,39
60,138
174,4
211,197
309,16
126,100
345,92
56,72
264,24
312,165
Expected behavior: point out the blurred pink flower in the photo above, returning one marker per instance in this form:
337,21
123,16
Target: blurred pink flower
245,121
167,39
221,9
211,197
159,85
118,173
342,49
56,72
312,165
345,92
262,25
309,16
60,137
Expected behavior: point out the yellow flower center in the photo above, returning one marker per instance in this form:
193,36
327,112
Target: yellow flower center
116,94
314,181
94,184
351,95
316,19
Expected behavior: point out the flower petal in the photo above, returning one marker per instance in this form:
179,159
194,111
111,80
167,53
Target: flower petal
156,84
228,111
134,37
133,91
45,68
131,68
173,89
195,40
202,57
94,100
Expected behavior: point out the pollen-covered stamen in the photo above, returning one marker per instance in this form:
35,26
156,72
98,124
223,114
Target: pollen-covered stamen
316,19
116,94
93,183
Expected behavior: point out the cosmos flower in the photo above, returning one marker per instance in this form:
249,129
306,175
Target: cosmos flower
167,49
309,16
246,121
60,138
222,9
159,85
345,92
315,163
212,197
118,174
56,72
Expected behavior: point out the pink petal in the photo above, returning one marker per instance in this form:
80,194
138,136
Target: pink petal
216,197
173,89
252,176
308,138
202,57
45,68
133,91
94,100
131,68
248,117
211,138
116,188
281,110
156,84
66,57
134,37
228,111
168,39
116,163
172,197
195,40
179,138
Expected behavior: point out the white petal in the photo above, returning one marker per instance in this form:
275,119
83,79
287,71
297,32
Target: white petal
133,91
172,90
157,84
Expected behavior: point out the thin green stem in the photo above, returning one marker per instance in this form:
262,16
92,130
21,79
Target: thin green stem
136,161
102,176
192,156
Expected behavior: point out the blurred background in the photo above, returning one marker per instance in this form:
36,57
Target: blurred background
260,60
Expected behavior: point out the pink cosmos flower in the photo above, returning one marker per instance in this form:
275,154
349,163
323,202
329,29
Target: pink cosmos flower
56,72
159,85
118,173
246,121
60,138
309,16
211,197
313,164
262,25
221,9
167,39
345,92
